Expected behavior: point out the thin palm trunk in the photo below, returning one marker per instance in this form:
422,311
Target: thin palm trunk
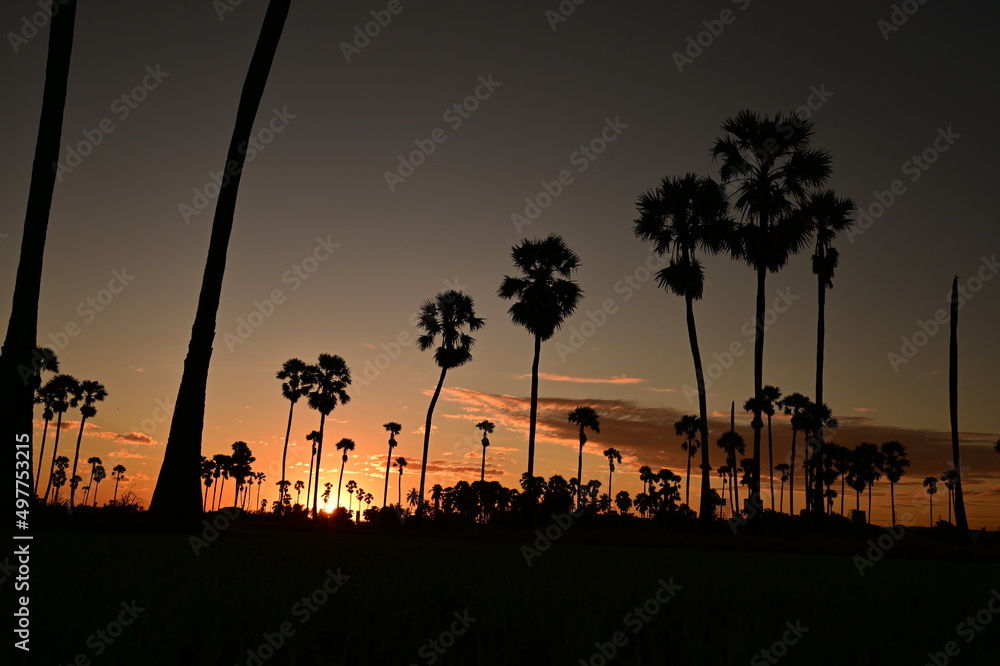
204,500
932,509
340,481
309,477
215,494
176,494
791,477
820,344
399,498
770,459
284,451
781,499
223,485
610,473
949,504
319,468
385,491
427,436
843,480
76,458
96,488
533,415
687,485
961,521
579,472
115,497
41,453
482,472
758,376
55,451
22,325
892,500
257,503
705,510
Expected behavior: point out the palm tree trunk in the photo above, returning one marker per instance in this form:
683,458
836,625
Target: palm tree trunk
705,510
482,472
781,501
533,415
427,437
399,497
76,458
41,453
215,494
791,477
309,477
770,459
176,494
961,521
284,451
385,491
820,345
892,500
115,497
96,488
843,479
687,485
932,509
870,488
319,468
204,501
340,482
55,451
22,325
758,376
949,504
579,472
610,472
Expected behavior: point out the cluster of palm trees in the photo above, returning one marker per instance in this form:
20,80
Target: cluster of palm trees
237,466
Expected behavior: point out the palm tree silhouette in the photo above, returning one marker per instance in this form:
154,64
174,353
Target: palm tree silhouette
771,164
585,417
93,461
949,478
725,473
770,397
689,426
961,521
292,374
436,492
299,485
731,442
868,464
545,297
344,445
45,397
795,405
400,463
222,462
62,389
90,393
394,429
412,498
452,315
260,476
99,475
894,462
314,438
487,428
239,469
680,217
207,468
326,383
930,483
351,486
326,493
59,476
612,455
361,498
623,501
176,492
782,469
118,471
22,325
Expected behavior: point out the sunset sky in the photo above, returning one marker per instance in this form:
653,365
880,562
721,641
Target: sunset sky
336,256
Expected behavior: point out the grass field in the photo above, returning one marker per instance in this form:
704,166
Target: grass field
403,590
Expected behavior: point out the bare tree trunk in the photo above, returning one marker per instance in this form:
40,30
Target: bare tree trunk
961,522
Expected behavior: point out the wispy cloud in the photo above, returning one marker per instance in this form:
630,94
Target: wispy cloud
548,376
128,437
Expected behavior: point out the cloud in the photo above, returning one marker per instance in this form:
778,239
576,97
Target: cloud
123,453
584,380
129,437
660,390
863,409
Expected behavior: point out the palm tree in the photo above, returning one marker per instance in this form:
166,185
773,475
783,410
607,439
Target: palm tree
207,468
731,442
326,384
221,462
400,463
99,475
930,483
118,471
452,315
344,445
93,461
782,469
586,417
292,374
239,469
44,397
545,297
796,406
949,478
90,393
436,492
612,455
327,487
361,498
894,462
689,426
59,476
680,217
623,501
842,457
725,472
22,325
412,498
487,428
772,166
394,429
351,486
868,466
176,492
299,485
961,521
314,438
770,397
63,389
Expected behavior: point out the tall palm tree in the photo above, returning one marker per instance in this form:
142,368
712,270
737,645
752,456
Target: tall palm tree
63,389
949,478
930,483
401,464
240,469
207,468
868,468
326,384
682,216
351,486
93,461
770,397
394,429
689,427
89,395
894,462
452,315
770,162
118,471
961,521
612,455
796,406
586,417
45,397
314,438
544,297
176,492
99,475
344,445
59,477
299,485
412,498
219,461
22,325
782,469
436,492
487,428
292,374
260,476
731,442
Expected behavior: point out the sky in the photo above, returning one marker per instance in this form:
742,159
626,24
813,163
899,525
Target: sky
391,166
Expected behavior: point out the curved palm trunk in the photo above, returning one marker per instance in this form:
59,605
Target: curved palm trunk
96,488
76,458
579,472
533,414
770,459
781,499
223,485
705,512
284,451
385,491
687,486
319,468
340,482
204,500
215,494
115,498
22,325
41,453
961,521
309,477
791,477
427,436
176,494
55,452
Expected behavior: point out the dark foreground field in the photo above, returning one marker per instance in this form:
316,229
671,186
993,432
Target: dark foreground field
403,591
